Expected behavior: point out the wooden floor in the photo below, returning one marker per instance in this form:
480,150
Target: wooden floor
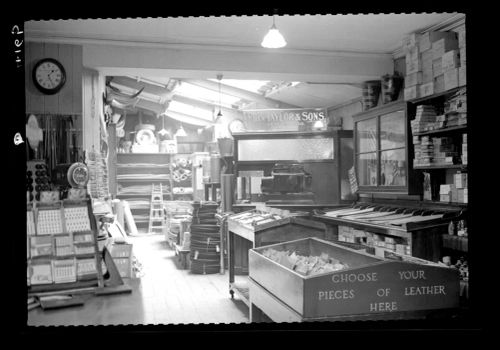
164,295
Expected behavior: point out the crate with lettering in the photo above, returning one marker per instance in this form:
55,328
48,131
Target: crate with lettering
316,279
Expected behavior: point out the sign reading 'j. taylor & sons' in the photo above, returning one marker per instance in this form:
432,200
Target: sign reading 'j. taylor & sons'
302,119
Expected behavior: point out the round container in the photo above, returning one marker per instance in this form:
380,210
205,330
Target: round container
391,86
371,93
225,147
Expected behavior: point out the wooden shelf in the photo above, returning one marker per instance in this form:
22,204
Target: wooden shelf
446,204
444,130
430,97
444,166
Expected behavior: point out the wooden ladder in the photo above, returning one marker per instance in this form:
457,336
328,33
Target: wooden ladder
157,212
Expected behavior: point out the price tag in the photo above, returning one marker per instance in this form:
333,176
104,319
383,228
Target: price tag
217,249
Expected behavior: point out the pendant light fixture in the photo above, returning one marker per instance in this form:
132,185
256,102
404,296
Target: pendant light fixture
219,78
180,132
273,38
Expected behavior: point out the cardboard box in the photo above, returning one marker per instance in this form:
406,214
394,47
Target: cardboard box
412,92
460,180
454,195
437,67
444,198
439,84
463,57
450,59
443,45
461,39
426,39
413,66
466,195
462,76
427,89
445,188
413,79
427,75
426,57
460,193
451,79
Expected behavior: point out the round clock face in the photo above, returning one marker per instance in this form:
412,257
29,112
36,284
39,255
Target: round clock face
49,76
78,175
236,125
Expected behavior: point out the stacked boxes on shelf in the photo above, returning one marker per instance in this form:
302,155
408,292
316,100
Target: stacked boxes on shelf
432,60
455,192
351,235
464,149
425,119
434,151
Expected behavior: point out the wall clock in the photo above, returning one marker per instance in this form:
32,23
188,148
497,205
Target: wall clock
236,125
49,76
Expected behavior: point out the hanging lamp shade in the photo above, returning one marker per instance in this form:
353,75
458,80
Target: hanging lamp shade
273,38
181,132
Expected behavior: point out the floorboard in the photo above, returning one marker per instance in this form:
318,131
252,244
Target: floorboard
164,294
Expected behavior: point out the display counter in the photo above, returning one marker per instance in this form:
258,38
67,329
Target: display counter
257,228
355,286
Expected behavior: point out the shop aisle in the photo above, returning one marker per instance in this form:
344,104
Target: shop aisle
163,295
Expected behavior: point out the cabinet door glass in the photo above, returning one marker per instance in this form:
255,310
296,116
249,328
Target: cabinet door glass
366,135
393,167
392,130
297,149
367,169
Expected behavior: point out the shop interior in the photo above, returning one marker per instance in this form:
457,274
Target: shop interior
205,175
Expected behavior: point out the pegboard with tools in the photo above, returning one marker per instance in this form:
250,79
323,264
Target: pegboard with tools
37,179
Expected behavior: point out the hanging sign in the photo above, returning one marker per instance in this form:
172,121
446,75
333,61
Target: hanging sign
300,119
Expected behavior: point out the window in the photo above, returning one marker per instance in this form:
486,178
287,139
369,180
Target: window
381,151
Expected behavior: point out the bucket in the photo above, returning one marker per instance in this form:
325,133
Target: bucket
391,86
225,147
371,93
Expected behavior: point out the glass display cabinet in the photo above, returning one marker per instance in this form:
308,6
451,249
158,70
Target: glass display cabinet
381,150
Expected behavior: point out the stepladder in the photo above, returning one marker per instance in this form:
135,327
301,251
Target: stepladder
157,215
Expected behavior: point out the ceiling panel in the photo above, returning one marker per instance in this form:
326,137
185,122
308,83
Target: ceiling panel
374,33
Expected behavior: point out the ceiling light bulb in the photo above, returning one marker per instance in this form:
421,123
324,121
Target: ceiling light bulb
273,39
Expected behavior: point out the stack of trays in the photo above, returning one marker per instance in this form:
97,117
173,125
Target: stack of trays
205,239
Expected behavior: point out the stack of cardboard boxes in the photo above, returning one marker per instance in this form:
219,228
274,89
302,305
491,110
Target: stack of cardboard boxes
433,60
457,191
464,149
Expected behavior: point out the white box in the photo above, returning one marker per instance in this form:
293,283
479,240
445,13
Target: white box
439,84
427,75
427,89
451,79
437,67
460,180
426,39
412,92
462,76
450,59
443,45
413,79
461,38
463,56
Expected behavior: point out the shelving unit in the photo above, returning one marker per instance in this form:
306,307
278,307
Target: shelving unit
443,166
441,131
138,164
